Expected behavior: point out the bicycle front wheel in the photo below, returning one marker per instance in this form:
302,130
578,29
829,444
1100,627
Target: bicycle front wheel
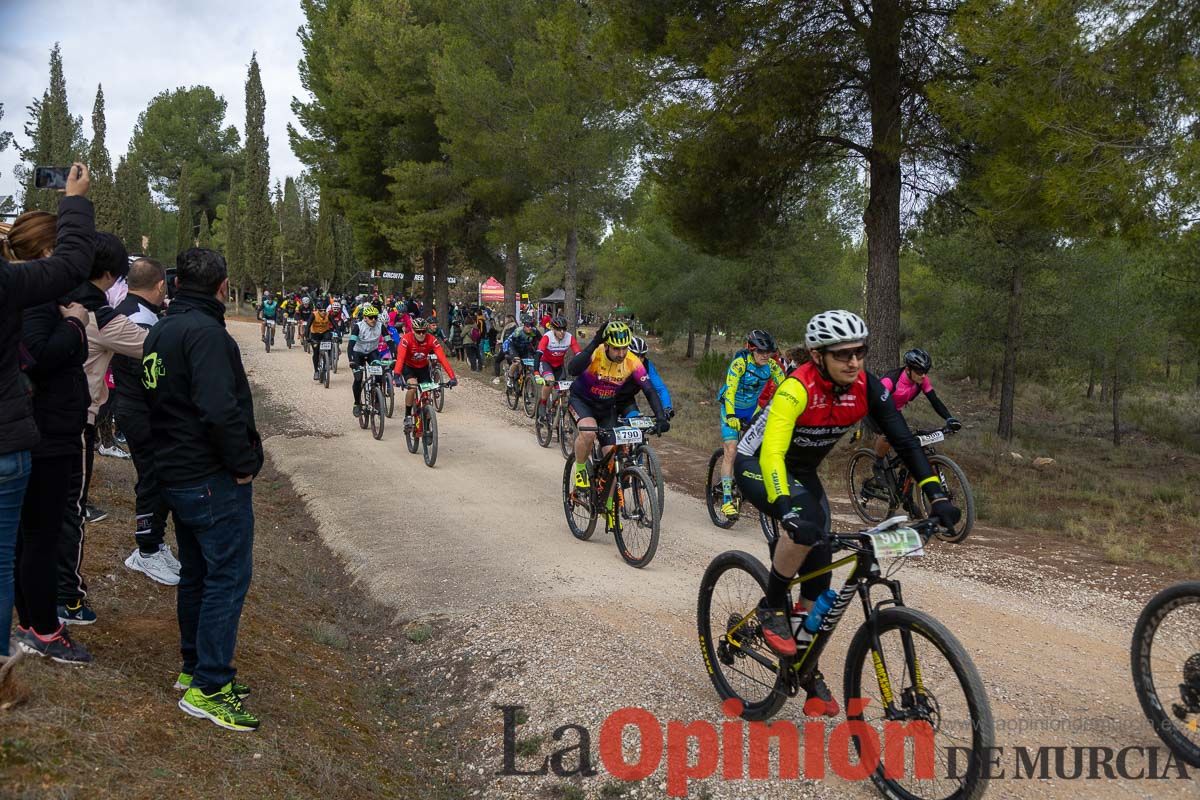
429,436
954,483
378,402
738,661
637,531
1165,658
873,503
917,672
581,511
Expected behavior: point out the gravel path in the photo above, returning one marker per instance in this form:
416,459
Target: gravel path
526,615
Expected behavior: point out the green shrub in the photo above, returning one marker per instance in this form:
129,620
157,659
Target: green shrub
711,369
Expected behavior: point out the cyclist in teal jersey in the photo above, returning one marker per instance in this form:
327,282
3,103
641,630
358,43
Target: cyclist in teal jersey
748,373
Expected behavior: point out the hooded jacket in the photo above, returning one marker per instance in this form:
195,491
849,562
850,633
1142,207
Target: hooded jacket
108,332
201,410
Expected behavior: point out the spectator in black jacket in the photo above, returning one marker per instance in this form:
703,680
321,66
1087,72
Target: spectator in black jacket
152,557
207,453
23,286
54,335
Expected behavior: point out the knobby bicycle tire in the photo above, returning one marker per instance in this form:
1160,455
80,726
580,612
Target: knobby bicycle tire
1140,652
716,494
628,479
377,416
859,468
913,623
584,532
965,500
429,436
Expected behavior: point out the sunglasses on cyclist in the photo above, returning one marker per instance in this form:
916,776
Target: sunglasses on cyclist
845,354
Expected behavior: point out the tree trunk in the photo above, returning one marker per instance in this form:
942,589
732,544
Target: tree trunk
1091,377
882,216
569,310
427,285
691,345
512,276
1012,336
441,286
707,337
1116,402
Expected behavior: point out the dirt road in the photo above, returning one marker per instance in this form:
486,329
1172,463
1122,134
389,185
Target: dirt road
526,615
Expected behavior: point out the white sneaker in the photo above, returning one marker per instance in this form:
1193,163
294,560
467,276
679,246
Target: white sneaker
111,452
164,551
156,567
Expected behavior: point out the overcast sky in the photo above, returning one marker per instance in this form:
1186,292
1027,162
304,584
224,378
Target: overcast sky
138,48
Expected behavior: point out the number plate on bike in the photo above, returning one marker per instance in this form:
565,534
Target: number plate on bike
429,387
627,435
527,362
897,543
564,385
374,369
931,438
326,345
642,422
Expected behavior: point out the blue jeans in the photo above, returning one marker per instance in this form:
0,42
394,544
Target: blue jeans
14,477
214,526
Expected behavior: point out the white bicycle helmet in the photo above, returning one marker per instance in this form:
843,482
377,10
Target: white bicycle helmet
834,327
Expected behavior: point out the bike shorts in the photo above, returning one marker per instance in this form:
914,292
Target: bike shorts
605,416
421,374
809,500
548,372
728,434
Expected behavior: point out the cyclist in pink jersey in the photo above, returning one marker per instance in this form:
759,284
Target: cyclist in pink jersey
905,383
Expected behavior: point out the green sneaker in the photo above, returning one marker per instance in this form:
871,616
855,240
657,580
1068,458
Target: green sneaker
184,682
222,707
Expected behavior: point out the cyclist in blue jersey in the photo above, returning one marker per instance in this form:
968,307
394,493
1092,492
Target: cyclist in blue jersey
748,374
627,396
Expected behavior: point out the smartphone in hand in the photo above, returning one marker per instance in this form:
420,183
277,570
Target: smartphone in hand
50,177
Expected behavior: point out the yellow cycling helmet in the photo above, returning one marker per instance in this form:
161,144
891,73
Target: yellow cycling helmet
617,334
369,310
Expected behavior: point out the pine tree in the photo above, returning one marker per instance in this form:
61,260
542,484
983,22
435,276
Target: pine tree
100,166
257,223
186,232
325,246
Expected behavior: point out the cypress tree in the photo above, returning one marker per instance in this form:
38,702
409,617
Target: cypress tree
100,166
257,222
132,201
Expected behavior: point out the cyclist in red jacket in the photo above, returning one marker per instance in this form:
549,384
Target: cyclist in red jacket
412,363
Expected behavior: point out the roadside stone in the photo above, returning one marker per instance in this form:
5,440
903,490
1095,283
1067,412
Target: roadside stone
1042,462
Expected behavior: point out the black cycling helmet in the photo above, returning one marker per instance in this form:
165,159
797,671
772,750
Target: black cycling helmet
918,360
559,323
527,320
761,340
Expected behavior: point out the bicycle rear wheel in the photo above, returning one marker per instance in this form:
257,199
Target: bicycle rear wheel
866,495
267,339
512,394
1165,659
377,416
581,512
429,435
391,395
567,431
954,483
637,530
716,494
412,436
529,394
738,661
928,677
646,458
543,426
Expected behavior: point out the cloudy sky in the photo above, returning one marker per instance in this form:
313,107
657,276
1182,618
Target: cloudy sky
138,48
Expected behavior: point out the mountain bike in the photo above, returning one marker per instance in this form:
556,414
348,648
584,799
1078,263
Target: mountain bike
373,412
1165,660
906,664
424,430
323,359
289,331
874,502
620,490
268,335
553,422
522,388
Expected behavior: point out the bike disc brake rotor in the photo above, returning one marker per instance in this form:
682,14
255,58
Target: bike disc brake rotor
924,707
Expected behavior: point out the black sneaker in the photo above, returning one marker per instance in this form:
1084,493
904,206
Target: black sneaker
58,647
93,514
820,700
777,630
357,410
78,614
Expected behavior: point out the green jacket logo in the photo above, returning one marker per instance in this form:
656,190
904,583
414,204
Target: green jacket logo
152,370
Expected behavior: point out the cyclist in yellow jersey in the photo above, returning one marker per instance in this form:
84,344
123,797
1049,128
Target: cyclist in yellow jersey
776,465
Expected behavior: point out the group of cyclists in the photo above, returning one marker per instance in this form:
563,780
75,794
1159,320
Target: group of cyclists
402,337
779,418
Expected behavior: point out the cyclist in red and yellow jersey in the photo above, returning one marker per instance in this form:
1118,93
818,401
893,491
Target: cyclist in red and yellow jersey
776,465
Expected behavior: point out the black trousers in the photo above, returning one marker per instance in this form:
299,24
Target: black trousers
37,546
151,507
71,586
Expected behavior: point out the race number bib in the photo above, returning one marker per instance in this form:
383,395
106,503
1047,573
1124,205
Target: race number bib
627,435
374,369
